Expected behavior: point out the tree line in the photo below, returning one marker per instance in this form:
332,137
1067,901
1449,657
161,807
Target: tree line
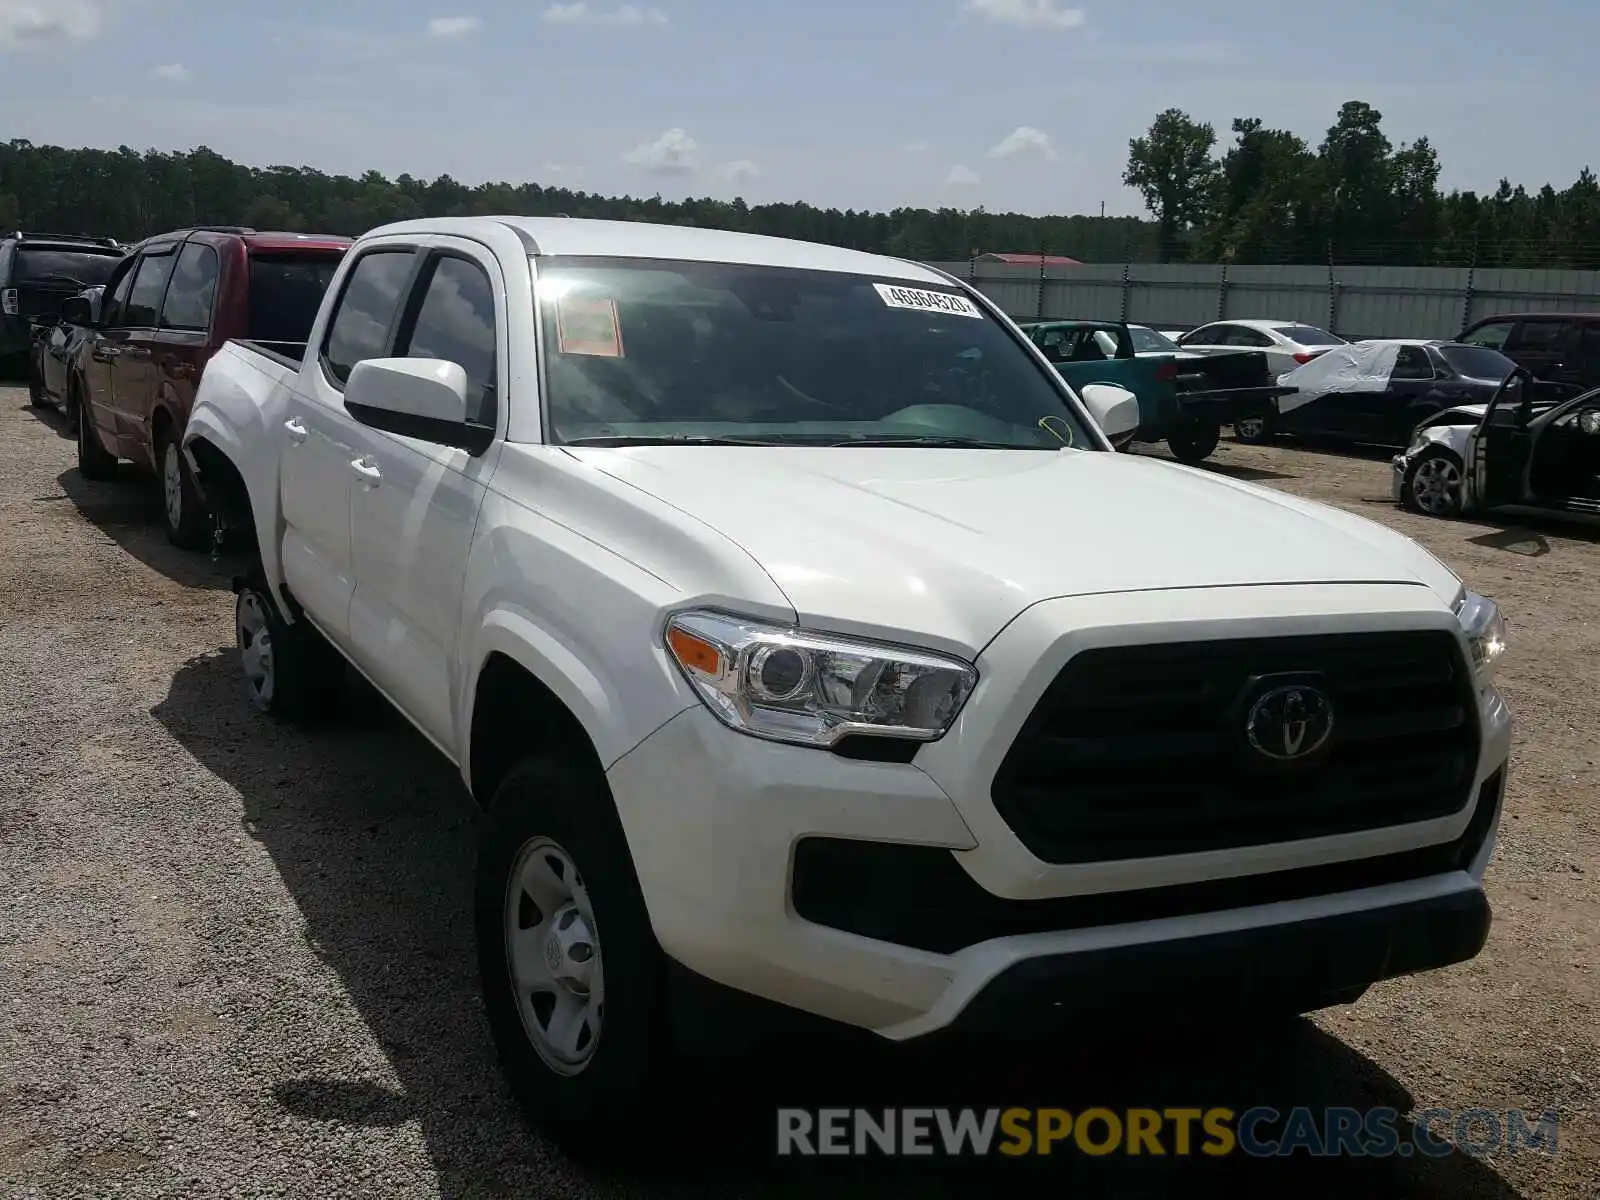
1267,198
1356,198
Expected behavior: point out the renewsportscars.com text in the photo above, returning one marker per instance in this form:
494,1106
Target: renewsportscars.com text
1179,1132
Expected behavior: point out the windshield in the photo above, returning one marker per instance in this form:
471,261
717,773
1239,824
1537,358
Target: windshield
1309,335
83,267
1477,362
1148,341
645,350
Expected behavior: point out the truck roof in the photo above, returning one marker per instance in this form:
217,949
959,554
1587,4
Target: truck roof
638,239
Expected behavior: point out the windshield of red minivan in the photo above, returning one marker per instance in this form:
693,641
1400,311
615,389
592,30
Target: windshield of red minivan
647,350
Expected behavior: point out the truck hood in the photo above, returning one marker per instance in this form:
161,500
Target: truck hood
950,545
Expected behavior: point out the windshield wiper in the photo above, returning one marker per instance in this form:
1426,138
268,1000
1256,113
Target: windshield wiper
955,443
665,439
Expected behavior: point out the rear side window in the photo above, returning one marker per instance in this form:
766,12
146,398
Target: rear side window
285,293
1413,363
1535,335
456,323
144,302
193,287
366,310
1206,335
115,304
1308,335
1241,335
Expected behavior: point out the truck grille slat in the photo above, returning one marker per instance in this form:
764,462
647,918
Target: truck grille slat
1139,751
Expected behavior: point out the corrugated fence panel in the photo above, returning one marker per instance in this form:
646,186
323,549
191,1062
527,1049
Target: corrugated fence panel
1365,301
1426,302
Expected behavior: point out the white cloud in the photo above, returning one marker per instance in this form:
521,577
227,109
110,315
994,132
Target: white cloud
739,171
920,146
961,177
673,153
446,27
1028,14
34,21
1025,139
579,13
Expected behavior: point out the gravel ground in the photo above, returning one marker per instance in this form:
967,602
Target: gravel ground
236,958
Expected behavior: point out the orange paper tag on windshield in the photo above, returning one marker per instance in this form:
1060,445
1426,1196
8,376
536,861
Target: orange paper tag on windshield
588,325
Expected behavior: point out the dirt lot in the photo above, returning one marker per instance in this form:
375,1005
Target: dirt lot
235,958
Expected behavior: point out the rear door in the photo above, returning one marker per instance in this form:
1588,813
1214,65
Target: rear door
133,371
182,342
104,346
321,439
415,506
1414,392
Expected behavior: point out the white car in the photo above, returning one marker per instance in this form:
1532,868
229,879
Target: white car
1152,343
776,603
1287,344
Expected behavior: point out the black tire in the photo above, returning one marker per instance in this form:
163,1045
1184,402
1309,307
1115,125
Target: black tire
612,1092
36,397
303,673
1194,442
1433,484
191,530
1255,430
94,461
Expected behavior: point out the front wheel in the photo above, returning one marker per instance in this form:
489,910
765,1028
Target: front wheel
573,979
182,513
94,461
1194,442
1434,483
1254,431
289,669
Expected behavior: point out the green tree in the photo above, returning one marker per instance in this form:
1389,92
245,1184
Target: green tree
1172,168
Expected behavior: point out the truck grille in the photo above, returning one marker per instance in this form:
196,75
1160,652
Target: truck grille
1142,751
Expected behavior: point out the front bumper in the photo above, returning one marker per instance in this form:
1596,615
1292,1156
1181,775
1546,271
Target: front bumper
721,826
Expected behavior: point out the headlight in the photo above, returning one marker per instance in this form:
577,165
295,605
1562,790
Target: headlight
791,686
1486,632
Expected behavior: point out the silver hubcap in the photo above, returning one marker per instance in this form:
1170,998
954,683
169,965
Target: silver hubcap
1436,485
172,484
255,646
553,951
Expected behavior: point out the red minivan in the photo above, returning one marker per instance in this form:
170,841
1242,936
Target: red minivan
165,311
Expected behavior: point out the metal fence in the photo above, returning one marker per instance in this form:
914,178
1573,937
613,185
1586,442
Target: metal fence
1354,302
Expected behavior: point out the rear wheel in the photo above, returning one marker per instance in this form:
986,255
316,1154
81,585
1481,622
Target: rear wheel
1433,484
184,516
94,461
1194,442
573,979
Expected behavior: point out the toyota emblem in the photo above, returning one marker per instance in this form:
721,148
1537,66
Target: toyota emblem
1290,722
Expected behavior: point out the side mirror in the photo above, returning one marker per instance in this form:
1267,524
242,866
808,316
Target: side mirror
76,310
423,398
1115,409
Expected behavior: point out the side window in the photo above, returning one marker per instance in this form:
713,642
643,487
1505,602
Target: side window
144,301
366,310
1535,335
456,323
1206,335
1253,338
194,284
1493,335
116,303
1412,364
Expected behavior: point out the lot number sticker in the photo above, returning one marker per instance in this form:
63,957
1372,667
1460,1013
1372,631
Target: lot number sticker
588,325
919,300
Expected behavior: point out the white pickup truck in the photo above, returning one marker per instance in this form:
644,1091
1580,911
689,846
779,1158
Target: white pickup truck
804,642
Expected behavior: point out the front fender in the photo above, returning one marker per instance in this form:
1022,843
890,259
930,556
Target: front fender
1454,438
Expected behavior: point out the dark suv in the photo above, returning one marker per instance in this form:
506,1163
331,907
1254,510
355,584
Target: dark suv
1560,350
40,270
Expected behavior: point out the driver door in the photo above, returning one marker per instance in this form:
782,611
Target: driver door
1500,447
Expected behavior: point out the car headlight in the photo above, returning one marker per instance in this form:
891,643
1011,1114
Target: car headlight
1486,632
788,685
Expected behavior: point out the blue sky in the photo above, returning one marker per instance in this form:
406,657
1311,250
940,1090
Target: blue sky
1011,104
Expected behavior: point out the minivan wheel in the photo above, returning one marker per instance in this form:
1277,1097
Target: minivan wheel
289,669
94,462
1433,484
182,512
573,979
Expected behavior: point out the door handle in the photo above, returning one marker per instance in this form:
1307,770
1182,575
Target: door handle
297,431
367,470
